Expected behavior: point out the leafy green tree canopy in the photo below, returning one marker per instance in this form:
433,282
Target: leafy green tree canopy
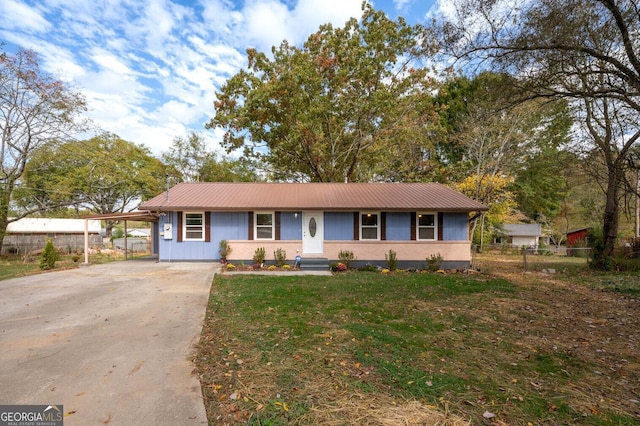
105,174
190,160
187,156
334,108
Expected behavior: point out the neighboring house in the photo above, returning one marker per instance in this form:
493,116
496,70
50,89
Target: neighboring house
315,220
29,234
522,235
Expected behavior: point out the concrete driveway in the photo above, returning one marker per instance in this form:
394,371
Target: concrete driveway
112,342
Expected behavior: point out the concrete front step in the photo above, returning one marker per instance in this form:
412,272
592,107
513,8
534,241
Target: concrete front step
314,264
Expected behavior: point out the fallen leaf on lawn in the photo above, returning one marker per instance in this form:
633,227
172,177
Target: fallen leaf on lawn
488,415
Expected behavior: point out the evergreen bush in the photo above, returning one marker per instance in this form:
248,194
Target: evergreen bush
49,256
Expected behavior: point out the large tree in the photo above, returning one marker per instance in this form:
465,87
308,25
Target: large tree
105,174
35,108
187,156
333,109
191,160
584,51
229,170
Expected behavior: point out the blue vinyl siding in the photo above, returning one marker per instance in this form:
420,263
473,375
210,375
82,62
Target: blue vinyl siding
398,226
338,226
455,227
290,226
171,250
229,226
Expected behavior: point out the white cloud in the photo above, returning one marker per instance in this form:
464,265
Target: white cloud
310,14
220,17
110,62
17,15
268,22
400,4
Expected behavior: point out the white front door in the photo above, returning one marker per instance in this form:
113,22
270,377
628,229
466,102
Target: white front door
312,233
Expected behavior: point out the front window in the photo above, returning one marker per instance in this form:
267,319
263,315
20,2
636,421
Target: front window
264,226
194,226
369,226
427,226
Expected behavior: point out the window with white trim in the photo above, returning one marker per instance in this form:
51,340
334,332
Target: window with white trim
264,225
427,226
193,226
369,226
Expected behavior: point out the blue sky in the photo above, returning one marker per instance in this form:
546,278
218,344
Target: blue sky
150,69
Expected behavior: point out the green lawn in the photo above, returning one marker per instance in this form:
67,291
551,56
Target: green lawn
338,350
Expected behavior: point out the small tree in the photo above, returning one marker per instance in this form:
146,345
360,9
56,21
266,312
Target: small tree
346,257
224,249
392,260
49,256
259,256
280,256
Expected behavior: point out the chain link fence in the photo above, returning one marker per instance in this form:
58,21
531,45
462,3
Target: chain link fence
34,246
551,260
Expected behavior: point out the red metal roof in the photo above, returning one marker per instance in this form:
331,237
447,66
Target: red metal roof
223,196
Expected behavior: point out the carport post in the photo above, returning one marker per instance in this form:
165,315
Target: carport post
86,241
125,240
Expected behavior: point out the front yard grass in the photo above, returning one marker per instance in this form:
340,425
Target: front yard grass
419,348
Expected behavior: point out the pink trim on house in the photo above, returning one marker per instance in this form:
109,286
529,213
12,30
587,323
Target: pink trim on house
363,250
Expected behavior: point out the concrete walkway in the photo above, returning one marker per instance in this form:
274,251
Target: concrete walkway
112,343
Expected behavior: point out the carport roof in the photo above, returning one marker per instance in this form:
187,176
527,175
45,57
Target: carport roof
217,196
141,215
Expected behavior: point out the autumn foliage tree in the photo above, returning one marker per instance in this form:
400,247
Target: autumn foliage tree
333,109
35,109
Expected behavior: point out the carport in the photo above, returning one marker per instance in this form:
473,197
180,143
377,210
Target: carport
138,216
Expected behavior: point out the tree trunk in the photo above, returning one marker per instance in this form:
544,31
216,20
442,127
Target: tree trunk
602,256
5,195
